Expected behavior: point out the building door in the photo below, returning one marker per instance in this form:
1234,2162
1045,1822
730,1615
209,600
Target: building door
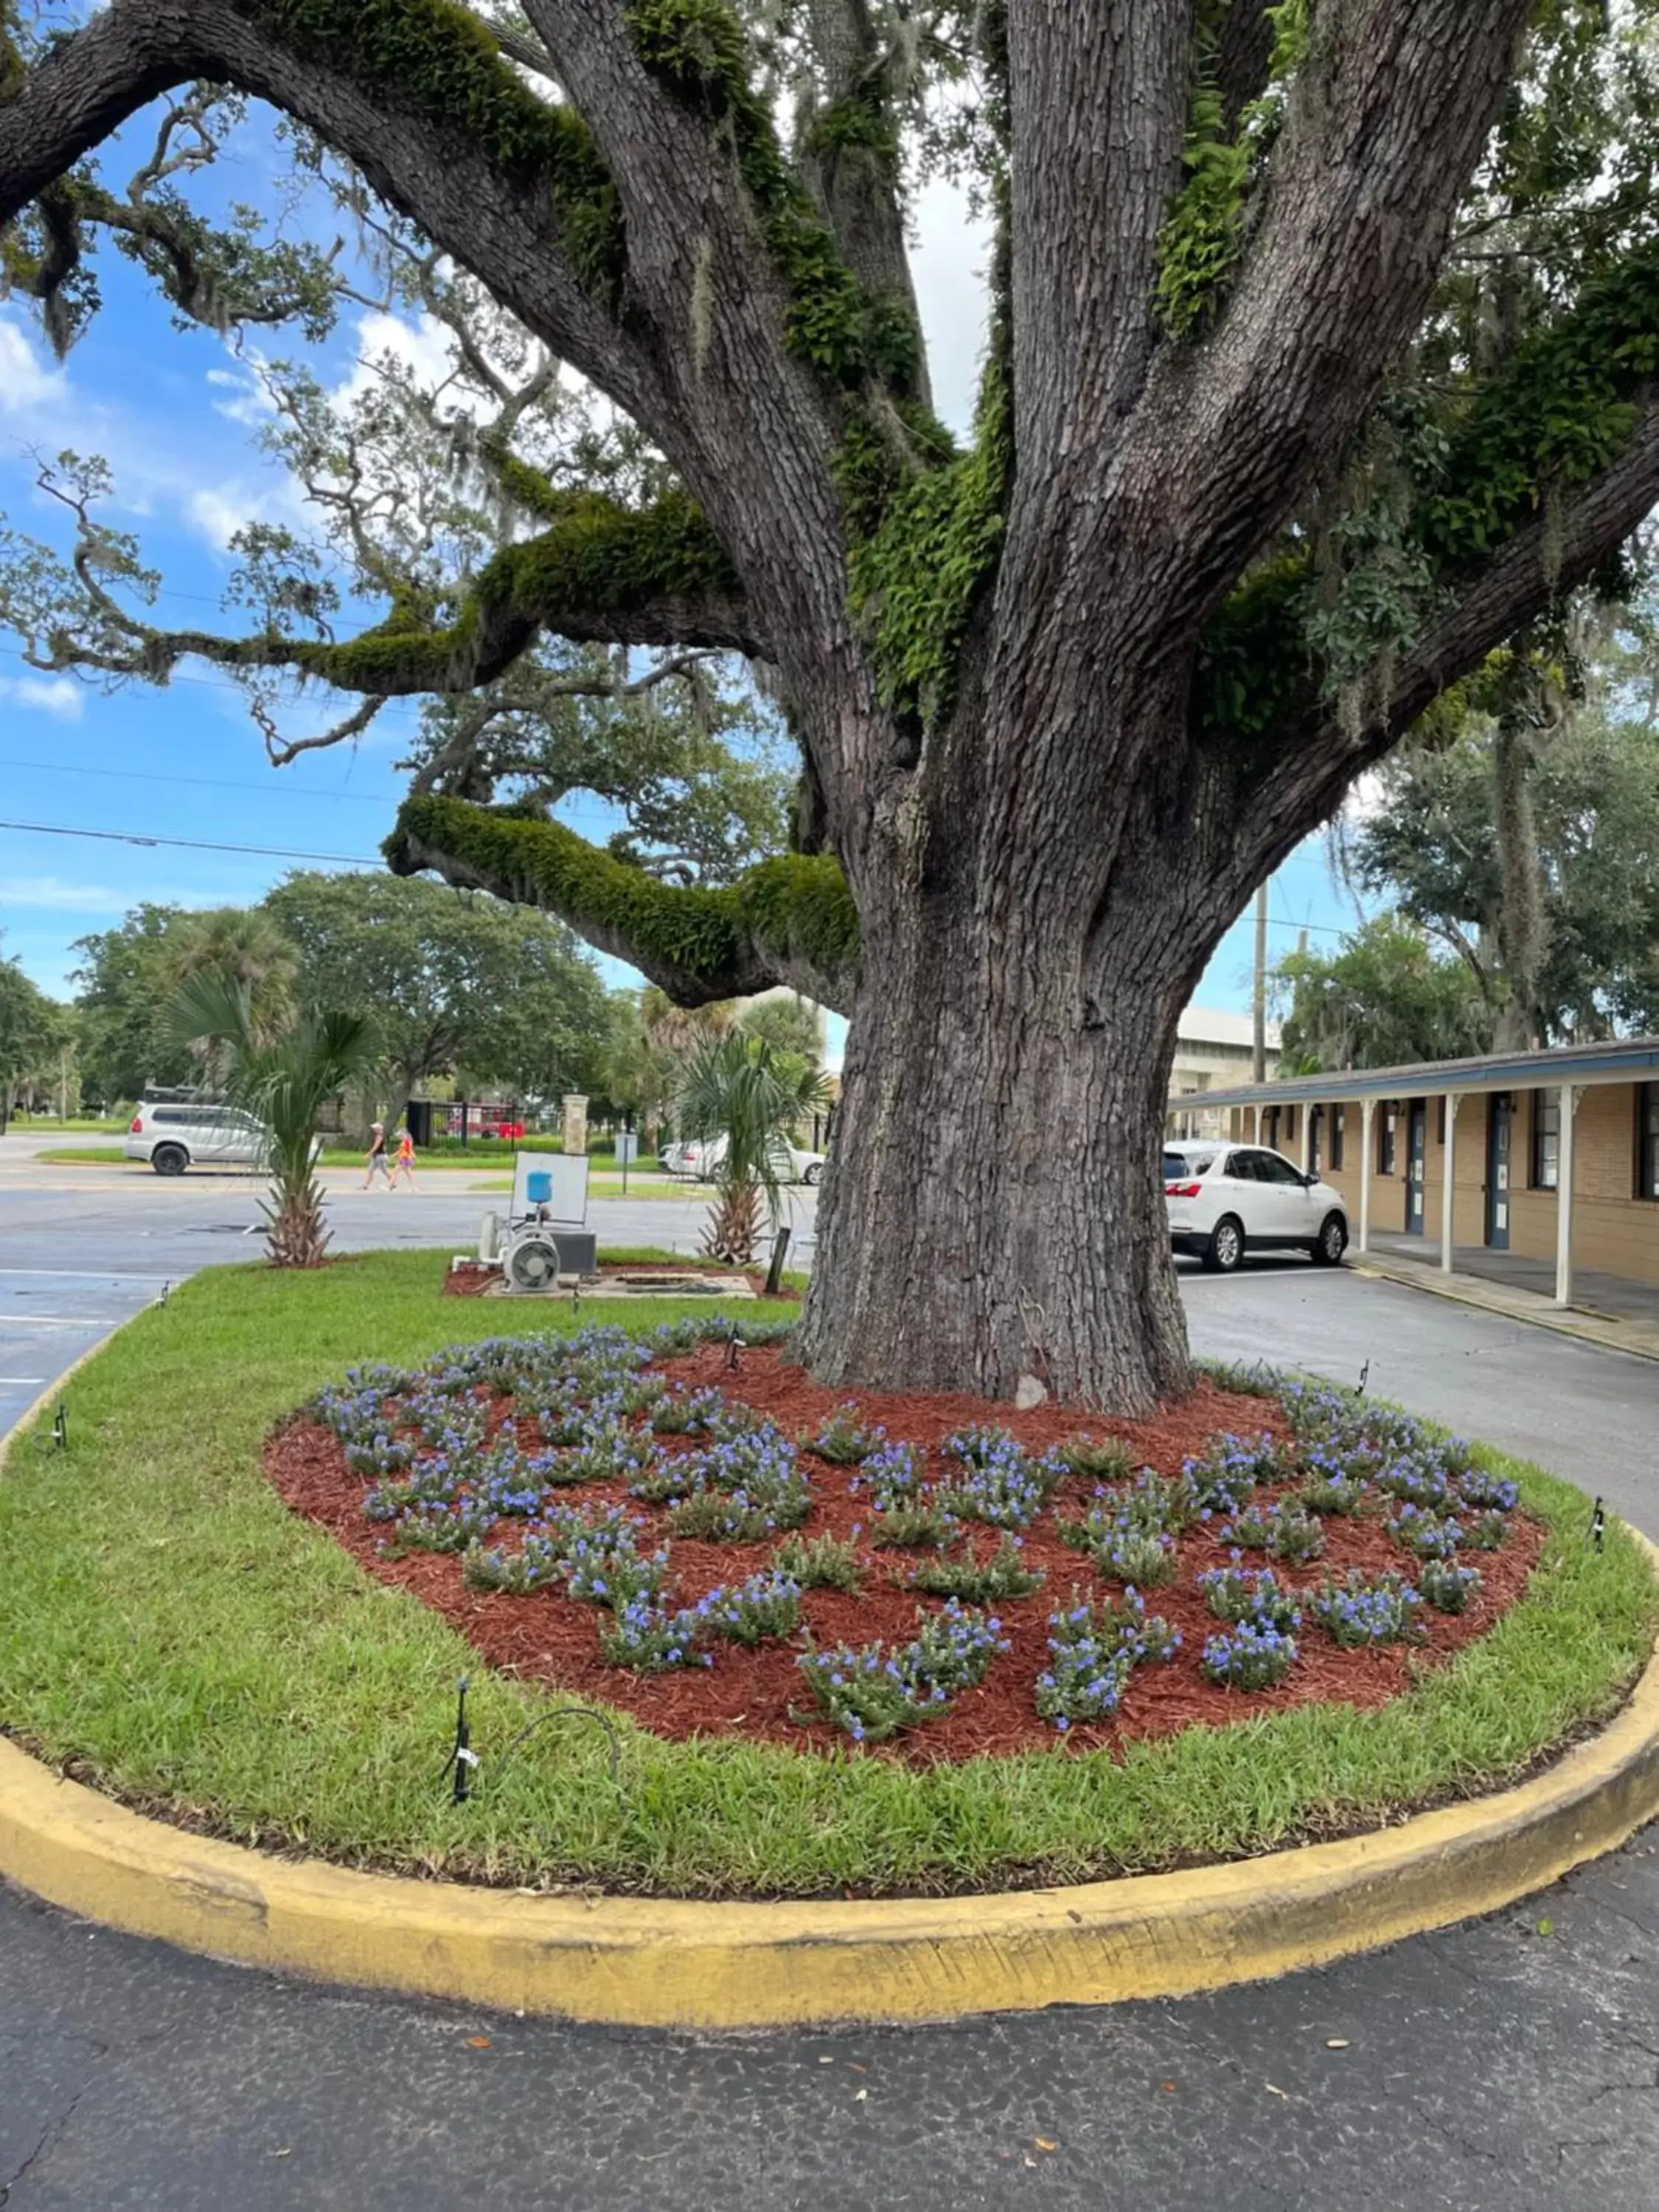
1417,1142
1499,1117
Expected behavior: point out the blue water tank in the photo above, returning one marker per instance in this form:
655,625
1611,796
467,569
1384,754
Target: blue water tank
538,1188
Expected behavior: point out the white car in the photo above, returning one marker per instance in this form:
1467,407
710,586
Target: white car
1226,1200
699,1157
174,1135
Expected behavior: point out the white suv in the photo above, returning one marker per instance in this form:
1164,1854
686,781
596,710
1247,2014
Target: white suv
174,1135
1226,1200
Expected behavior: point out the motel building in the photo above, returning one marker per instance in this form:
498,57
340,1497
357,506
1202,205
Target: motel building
1536,1168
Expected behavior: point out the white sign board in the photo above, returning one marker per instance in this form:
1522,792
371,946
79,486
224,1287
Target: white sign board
550,1185
627,1148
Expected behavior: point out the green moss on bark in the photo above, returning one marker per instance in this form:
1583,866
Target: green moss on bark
698,49
794,911
596,557
440,61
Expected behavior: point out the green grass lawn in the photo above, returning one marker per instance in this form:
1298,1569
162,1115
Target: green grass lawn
169,1629
84,1155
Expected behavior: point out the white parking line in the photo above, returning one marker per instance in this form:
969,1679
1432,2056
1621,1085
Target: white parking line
51,1320
89,1275
22,1381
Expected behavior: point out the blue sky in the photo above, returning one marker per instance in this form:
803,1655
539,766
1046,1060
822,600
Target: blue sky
167,409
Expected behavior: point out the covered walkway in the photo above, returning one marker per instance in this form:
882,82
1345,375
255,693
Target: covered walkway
1539,1170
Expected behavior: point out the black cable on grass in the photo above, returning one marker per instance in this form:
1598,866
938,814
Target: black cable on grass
581,1713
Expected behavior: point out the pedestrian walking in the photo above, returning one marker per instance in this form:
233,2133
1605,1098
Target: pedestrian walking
404,1168
380,1160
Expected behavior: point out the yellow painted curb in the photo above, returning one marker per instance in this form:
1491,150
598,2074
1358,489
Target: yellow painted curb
652,1962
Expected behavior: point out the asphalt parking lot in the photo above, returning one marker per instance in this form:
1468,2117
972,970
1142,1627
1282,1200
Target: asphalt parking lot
1503,2066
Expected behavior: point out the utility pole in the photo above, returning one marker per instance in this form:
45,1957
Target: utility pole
1260,1010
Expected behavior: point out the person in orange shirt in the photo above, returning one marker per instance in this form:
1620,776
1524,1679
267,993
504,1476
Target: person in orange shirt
405,1165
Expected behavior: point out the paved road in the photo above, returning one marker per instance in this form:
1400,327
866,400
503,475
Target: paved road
1589,1414
1496,2066
84,1248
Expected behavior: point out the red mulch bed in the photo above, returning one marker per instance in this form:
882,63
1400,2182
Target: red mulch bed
550,1637
474,1277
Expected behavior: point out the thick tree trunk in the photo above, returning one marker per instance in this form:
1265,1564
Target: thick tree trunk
994,1205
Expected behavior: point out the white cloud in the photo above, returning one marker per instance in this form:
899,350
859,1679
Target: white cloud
28,384
426,346
59,697
53,893
246,401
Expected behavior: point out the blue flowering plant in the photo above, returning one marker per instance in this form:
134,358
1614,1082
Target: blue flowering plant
1251,1656
1006,1488
1118,1537
1231,1467
821,1562
1367,1610
1093,1649
1486,1532
975,1579
1423,1533
762,1608
872,1692
1097,1459
844,1440
650,1639
1330,1484
1237,1592
1285,1531
1449,1586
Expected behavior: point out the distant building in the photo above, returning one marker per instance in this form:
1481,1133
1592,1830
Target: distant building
1214,1053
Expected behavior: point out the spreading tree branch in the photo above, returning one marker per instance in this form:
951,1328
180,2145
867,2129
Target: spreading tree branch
1523,579
1386,117
789,921
419,97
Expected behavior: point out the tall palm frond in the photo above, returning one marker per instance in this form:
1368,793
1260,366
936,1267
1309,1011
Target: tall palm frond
284,1082
737,1087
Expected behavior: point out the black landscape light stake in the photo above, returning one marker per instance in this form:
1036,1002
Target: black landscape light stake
1598,1527
1364,1378
166,1287
734,1345
463,1758
775,1272
60,1428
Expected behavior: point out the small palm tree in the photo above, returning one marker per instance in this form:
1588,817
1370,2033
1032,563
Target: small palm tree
285,1079
739,1088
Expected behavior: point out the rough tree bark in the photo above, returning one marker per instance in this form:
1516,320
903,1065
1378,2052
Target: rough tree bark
1042,821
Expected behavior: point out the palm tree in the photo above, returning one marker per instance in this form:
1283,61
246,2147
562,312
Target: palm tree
283,1078
737,1087
246,948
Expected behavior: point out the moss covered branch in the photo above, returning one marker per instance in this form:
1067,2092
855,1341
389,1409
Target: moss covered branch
789,921
600,574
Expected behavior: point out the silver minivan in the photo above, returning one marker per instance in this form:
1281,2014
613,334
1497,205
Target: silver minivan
174,1134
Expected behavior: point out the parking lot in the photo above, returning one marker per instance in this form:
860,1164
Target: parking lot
1505,2066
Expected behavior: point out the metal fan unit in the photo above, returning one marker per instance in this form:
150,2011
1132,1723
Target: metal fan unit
532,1263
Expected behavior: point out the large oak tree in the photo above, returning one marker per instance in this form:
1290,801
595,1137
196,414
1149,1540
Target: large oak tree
1323,357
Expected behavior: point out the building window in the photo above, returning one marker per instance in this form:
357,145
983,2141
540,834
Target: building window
1338,1115
1387,1129
1546,1169
1647,1140
1440,1126
1270,1128
1315,1137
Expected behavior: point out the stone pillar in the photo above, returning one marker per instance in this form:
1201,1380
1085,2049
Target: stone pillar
575,1124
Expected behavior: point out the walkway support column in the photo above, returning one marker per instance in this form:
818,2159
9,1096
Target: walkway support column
1307,1133
1571,1094
1256,1116
1448,1189
1367,1110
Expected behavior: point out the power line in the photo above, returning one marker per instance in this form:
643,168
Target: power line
192,844
593,812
